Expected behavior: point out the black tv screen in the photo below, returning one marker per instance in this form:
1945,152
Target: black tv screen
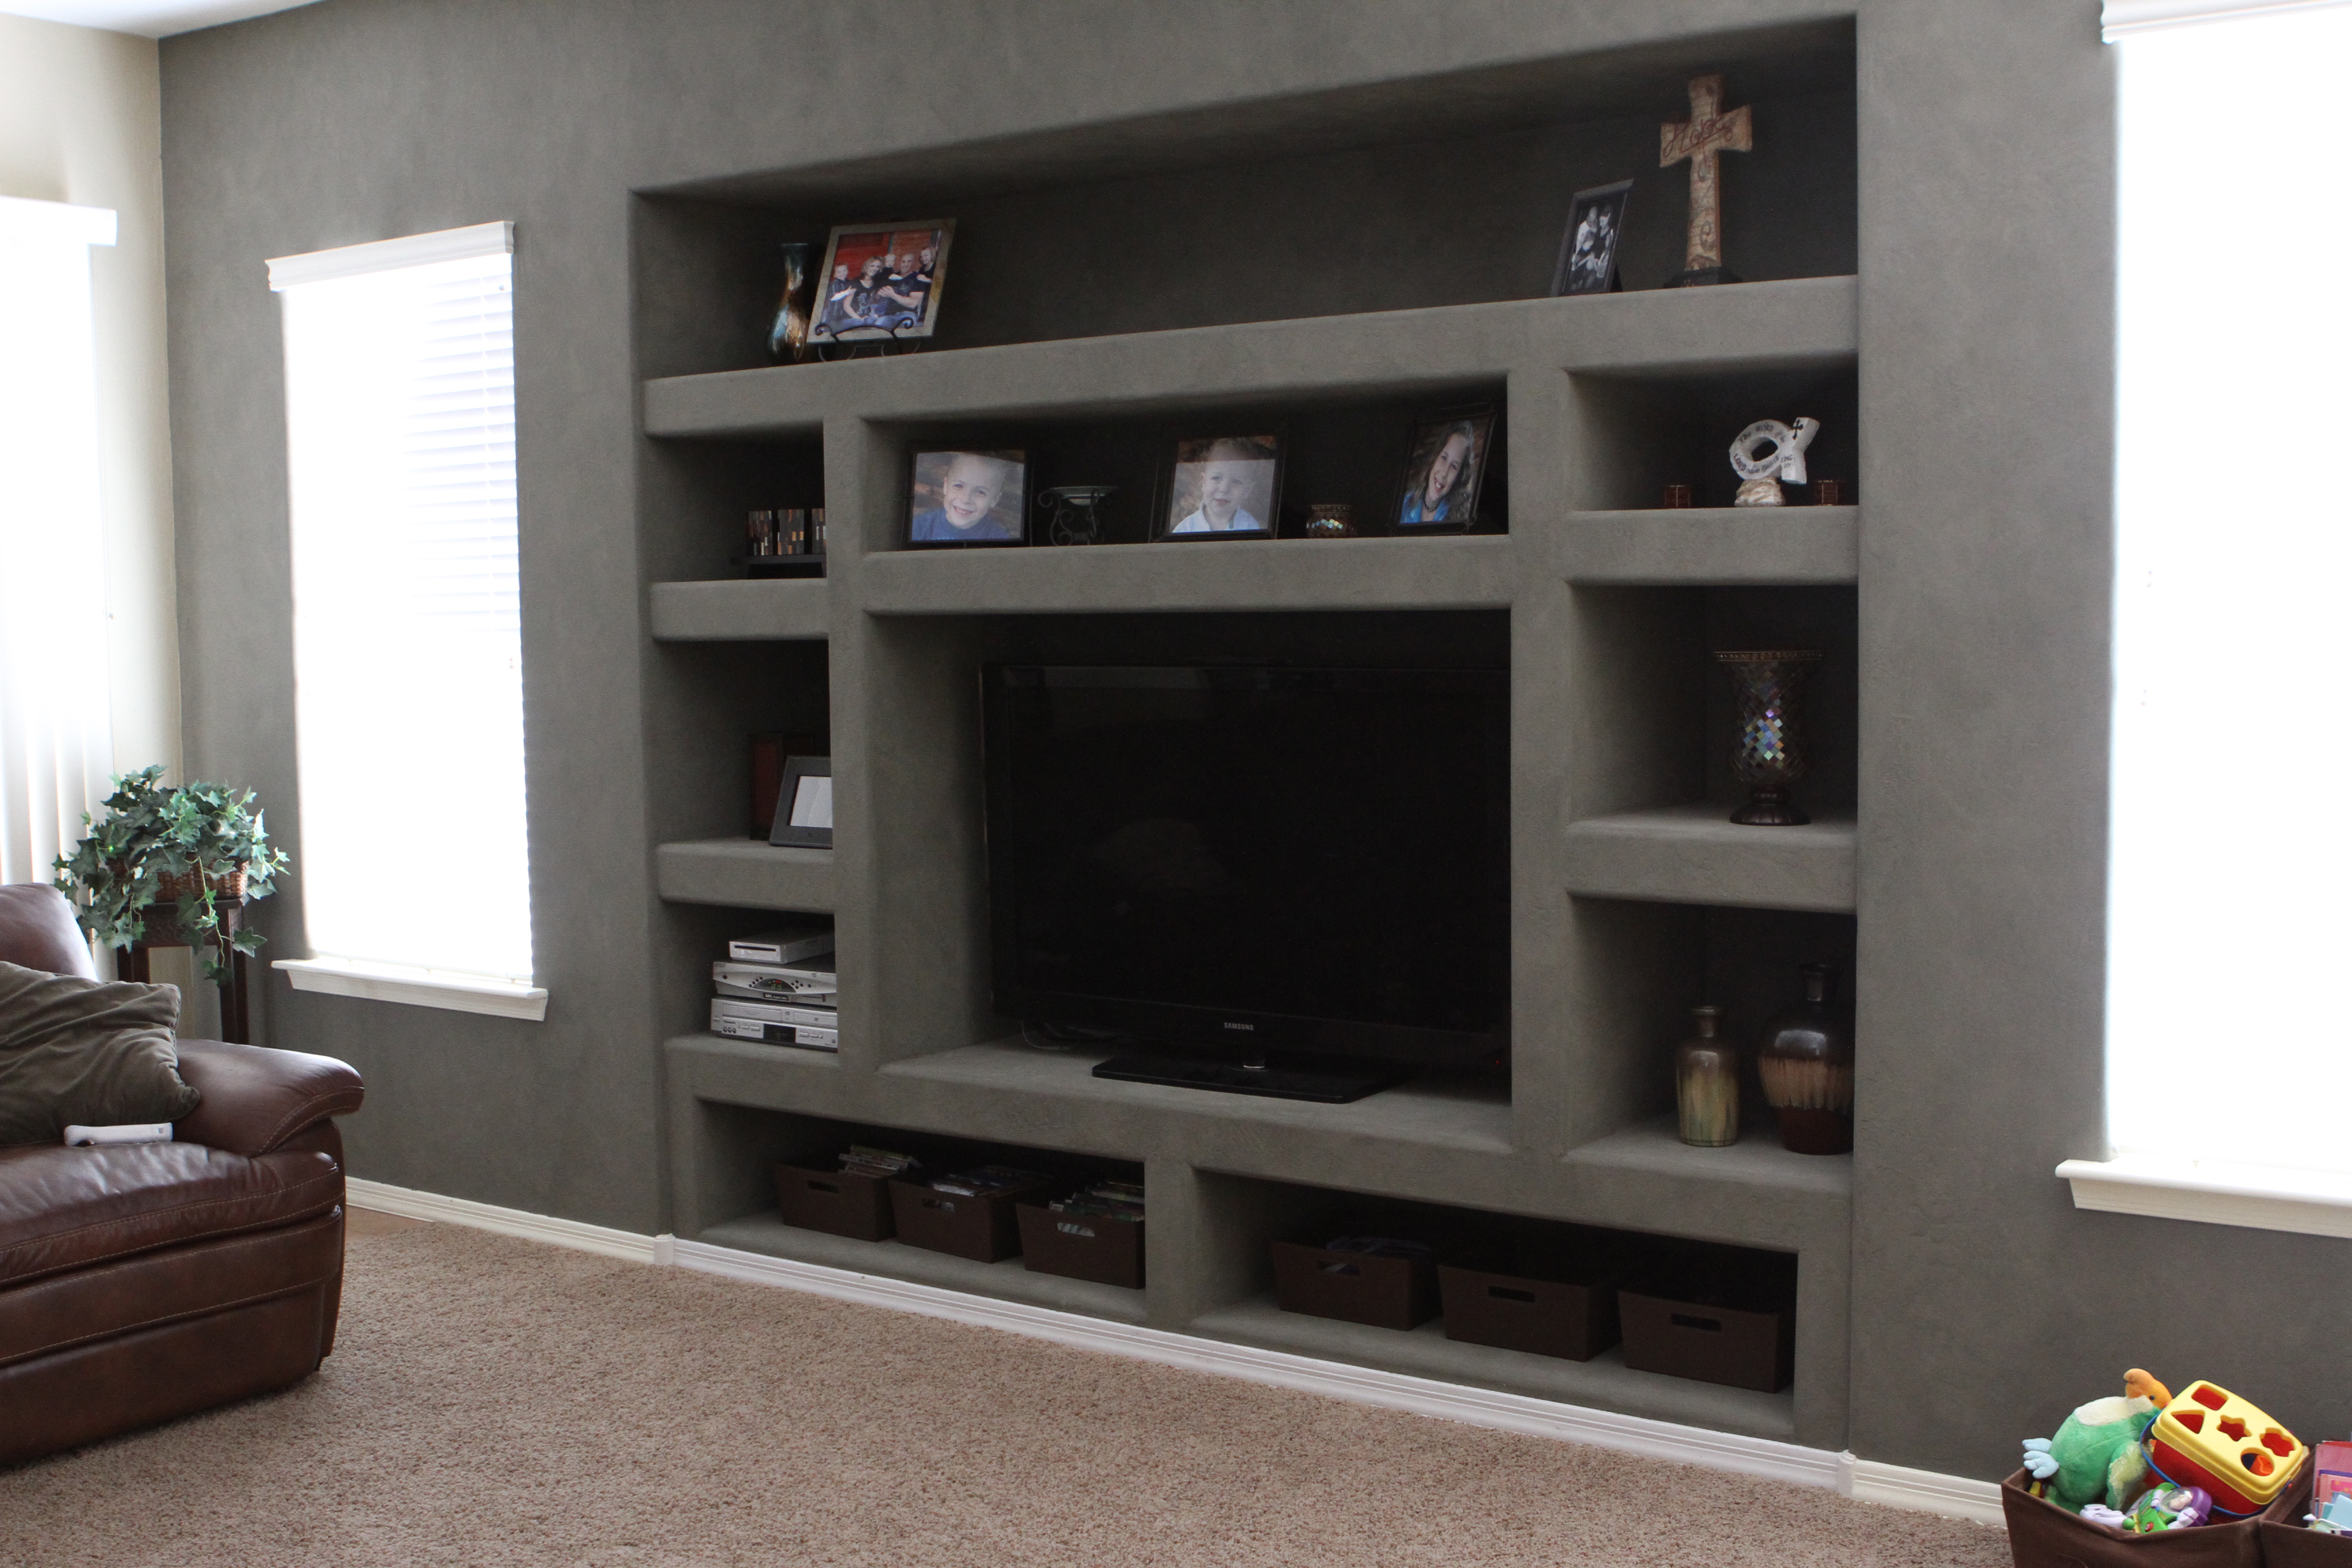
1254,858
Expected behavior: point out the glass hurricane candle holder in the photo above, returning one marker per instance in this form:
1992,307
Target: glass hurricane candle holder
1075,518
1771,755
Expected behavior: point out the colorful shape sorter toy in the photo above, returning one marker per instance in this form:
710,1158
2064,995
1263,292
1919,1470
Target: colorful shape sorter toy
2209,1437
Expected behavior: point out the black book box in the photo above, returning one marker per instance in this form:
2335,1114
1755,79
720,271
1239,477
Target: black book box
834,1202
1354,1286
981,1227
1082,1247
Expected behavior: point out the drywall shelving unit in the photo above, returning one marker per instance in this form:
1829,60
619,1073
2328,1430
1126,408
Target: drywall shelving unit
1631,895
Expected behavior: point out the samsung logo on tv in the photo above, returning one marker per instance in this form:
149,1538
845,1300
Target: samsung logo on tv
1251,1028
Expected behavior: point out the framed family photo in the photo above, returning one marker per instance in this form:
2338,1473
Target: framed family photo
1223,487
1588,250
880,282
957,496
1447,465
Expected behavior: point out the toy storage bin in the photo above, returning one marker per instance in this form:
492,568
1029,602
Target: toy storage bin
834,1202
2042,1534
1714,1314
1082,1246
981,1229
2287,1545
1555,1307
1382,1292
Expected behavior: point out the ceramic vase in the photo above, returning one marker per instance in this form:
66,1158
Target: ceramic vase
1771,755
1806,1063
1707,1083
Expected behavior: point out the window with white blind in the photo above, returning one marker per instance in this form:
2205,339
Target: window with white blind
399,435
2229,1056
54,734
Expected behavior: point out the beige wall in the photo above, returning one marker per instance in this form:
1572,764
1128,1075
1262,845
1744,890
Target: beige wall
81,122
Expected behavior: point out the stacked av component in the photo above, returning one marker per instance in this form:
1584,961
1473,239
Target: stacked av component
778,988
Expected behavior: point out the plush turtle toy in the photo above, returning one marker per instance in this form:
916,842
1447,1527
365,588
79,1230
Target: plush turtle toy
2096,1456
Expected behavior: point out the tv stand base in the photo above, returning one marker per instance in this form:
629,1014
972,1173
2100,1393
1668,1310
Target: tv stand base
1332,1083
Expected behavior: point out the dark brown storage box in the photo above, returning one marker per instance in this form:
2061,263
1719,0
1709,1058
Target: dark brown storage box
834,1202
1384,1292
1489,1302
1082,1246
2289,1543
1749,1346
2043,1535
979,1228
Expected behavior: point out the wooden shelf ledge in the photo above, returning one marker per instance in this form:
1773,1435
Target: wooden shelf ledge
1693,855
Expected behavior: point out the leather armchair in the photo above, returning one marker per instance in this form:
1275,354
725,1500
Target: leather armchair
147,1281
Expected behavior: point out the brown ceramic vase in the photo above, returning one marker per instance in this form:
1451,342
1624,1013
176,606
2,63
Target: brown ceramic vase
1806,1062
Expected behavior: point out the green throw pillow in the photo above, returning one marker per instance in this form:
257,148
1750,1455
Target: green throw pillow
75,1052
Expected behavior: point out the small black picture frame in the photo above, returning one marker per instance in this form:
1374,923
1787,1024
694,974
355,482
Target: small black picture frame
967,498
1223,486
1588,250
805,804
1451,450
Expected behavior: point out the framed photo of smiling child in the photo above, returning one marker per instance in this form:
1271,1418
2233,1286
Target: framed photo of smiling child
1445,468
967,495
1223,487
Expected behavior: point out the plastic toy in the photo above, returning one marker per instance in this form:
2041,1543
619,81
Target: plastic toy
2209,1437
2096,1455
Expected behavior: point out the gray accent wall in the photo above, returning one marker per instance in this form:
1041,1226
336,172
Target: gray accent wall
1979,148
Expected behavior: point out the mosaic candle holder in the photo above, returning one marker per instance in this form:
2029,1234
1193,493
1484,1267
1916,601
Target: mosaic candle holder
1770,755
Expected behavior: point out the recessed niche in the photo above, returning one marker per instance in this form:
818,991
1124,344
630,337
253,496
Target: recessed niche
1635,435
720,696
699,496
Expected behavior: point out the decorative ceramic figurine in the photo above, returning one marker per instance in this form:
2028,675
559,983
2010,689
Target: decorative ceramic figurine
1806,1063
788,335
1707,1084
1073,518
1782,462
1771,755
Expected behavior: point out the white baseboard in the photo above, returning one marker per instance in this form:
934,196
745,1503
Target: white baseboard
1923,1491
581,1236
1926,1491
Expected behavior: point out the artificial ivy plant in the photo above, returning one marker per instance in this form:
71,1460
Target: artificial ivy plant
199,833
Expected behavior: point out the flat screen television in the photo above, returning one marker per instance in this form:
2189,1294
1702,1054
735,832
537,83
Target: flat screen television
1266,867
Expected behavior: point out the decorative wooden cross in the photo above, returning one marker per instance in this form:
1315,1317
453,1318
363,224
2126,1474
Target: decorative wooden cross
1707,131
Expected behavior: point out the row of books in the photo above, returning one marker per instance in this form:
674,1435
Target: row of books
779,987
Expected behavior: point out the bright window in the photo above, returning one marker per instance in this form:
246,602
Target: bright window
400,439
55,747
2229,927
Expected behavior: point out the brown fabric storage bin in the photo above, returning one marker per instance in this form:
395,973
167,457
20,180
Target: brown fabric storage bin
981,1228
1383,1292
834,1202
2042,1534
1082,1246
1749,1346
1487,1304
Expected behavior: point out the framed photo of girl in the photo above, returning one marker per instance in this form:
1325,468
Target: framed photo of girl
961,496
881,282
1223,487
1445,468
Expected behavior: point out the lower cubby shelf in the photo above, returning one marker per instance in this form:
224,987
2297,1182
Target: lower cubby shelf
1605,1380
1009,1280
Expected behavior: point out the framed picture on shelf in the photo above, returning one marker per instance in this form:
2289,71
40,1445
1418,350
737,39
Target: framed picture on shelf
1587,251
1445,468
805,804
959,496
1223,487
881,282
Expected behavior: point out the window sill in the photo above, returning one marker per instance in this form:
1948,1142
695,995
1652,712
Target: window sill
2260,1197
415,988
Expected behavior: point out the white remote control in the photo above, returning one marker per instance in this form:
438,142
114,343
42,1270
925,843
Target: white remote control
126,1133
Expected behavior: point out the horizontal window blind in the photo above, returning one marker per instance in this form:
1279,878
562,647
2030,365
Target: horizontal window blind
2119,19
2227,918
407,605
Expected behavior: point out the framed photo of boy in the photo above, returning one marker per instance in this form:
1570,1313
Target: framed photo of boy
1224,487
957,496
881,282
1446,465
1587,251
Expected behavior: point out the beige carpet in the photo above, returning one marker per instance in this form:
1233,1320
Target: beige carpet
499,1402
